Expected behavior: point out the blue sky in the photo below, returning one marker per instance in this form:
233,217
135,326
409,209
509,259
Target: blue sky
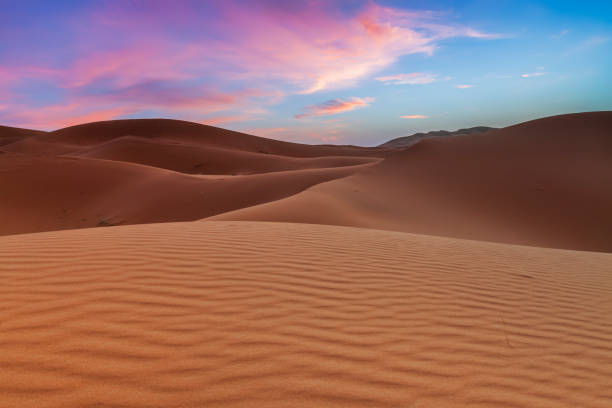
358,72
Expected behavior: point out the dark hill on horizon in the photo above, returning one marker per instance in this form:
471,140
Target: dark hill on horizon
407,141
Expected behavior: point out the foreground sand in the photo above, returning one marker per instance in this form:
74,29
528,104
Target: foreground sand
251,314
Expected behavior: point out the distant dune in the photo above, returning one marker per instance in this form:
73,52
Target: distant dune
539,183
76,138
239,314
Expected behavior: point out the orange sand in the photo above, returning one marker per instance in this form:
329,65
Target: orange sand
237,314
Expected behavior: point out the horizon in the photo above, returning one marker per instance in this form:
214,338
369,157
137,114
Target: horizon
341,72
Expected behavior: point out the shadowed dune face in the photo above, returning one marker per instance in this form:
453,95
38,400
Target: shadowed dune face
9,135
234,314
64,192
540,183
194,158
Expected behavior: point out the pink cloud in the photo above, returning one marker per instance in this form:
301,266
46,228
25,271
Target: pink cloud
335,106
463,86
189,104
296,47
55,117
414,78
311,46
223,119
414,117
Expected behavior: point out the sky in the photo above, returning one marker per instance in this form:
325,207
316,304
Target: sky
312,71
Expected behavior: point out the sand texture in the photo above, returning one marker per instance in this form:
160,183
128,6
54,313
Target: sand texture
237,314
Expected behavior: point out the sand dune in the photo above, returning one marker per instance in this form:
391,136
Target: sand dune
539,183
55,193
196,159
235,314
116,172
75,138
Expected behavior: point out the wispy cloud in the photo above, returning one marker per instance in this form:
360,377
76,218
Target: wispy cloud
335,106
464,86
587,45
414,78
561,34
414,117
533,74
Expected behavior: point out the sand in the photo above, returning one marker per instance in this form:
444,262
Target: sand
55,193
540,183
9,135
147,171
365,292
235,314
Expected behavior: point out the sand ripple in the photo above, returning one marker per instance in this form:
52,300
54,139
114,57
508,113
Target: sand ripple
247,314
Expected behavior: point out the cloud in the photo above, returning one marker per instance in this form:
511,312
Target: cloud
561,34
335,106
463,86
414,78
222,119
59,116
414,117
189,56
92,104
533,74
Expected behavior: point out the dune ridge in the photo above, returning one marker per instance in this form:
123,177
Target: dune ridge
234,314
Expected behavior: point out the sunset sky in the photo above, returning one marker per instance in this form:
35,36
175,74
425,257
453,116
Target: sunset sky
358,72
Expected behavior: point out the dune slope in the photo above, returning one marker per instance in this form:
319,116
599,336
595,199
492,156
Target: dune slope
9,135
116,172
52,193
235,314
193,158
541,183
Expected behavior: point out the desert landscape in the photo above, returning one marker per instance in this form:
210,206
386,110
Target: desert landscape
306,275
305,204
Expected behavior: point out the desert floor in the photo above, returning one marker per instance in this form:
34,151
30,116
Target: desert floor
169,264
